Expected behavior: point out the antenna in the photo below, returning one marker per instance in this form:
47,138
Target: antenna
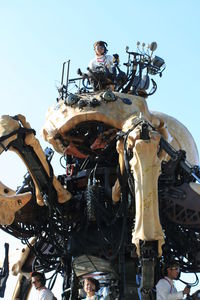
67,79
63,71
153,46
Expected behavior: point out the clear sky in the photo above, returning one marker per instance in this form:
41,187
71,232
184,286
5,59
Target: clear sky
38,36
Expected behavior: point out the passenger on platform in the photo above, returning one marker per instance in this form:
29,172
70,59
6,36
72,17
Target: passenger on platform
93,291
38,280
91,287
165,289
101,58
102,71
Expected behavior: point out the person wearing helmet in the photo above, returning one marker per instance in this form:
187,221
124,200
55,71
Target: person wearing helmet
38,280
165,289
101,58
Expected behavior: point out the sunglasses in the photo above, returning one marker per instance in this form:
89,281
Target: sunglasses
175,268
99,47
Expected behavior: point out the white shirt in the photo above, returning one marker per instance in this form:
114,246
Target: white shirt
103,60
45,294
165,290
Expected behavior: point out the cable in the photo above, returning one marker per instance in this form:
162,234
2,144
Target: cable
191,284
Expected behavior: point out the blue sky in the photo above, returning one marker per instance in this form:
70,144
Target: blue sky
37,36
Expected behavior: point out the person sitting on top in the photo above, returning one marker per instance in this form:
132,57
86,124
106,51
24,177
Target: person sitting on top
101,69
101,58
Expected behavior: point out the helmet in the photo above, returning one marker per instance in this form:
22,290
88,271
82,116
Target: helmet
103,44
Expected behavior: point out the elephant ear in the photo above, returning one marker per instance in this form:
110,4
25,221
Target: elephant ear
181,138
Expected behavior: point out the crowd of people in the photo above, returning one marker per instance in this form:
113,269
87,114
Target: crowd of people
91,286
165,288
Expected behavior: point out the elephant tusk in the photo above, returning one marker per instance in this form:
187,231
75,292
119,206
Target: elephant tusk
28,149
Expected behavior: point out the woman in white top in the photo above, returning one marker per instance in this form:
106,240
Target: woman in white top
91,286
101,59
